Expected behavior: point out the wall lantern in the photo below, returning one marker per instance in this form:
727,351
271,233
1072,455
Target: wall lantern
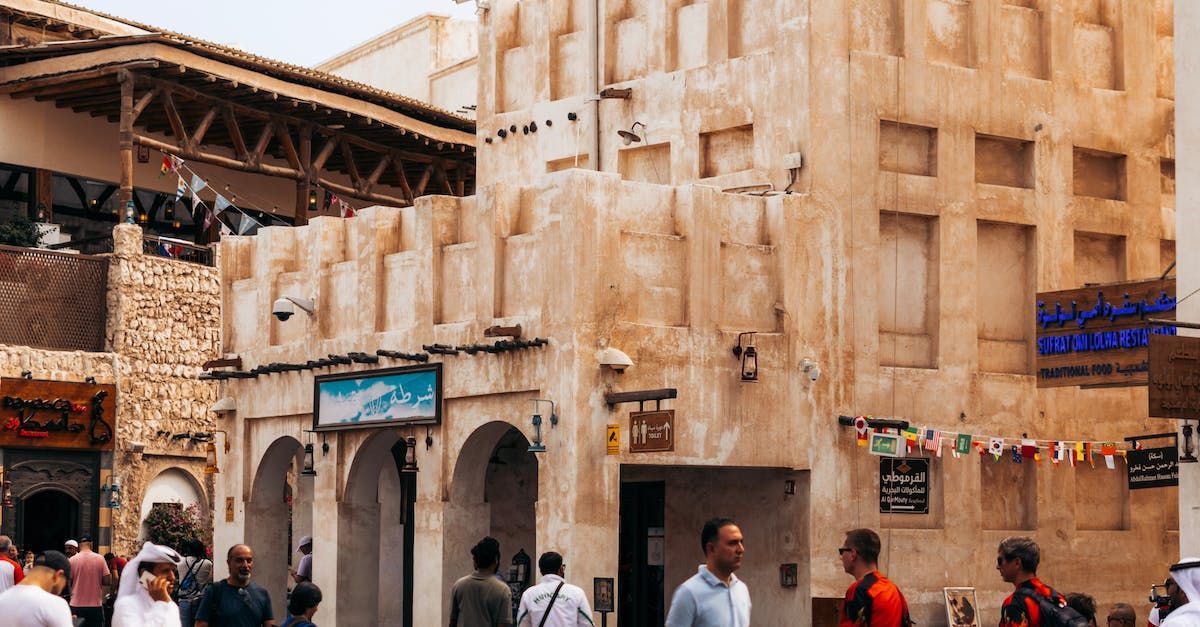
113,488
538,446
1189,447
169,211
312,200
129,212
6,501
210,459
748,355
410,456
788,575
309,470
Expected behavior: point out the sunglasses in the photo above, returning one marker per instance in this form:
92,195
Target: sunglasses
1000,559
844,549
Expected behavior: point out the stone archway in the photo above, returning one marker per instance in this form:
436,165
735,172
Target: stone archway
172,485
371,533
269,519
493,492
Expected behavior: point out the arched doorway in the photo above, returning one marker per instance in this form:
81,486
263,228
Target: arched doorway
48,518
494,492
173,485
375,536
269,519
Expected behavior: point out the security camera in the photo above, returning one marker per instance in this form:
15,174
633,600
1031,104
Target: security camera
285,307
811,369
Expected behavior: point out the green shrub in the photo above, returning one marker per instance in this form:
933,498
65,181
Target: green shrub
20,231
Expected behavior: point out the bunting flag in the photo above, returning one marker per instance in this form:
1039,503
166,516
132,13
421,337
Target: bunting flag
910,438
221,204
860,428
181,188
168,165
933,440
996,447
198,184
962,444
328,200
1072,453
1029,449
346,210
1016,454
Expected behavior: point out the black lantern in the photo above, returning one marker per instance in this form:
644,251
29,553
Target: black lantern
748,355
7,501
410,455
309,470
169,211
1189,448
312,199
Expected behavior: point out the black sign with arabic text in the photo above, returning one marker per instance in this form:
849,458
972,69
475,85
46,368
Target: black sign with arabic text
903,486
1153,467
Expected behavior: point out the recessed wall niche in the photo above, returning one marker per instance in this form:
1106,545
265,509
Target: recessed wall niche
1098,44
649,164
1006,273
878,26
726,151
1099,258
1008,494
1022,38
1003,161
1166,181
908,295
907,148
949,36
1098,174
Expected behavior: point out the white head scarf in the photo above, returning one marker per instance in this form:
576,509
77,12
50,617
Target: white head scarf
1187,576
150,553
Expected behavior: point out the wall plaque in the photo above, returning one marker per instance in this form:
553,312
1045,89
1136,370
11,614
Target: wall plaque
652,431
903,485
57,414
378,398
1152,467
1174,377
1098,335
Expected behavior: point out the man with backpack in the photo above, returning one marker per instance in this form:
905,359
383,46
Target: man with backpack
195,575
872,600
1032,603
236,601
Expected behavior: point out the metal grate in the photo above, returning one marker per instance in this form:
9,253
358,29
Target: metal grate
52,300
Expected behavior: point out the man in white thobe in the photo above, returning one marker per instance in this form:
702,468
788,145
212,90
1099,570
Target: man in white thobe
144,599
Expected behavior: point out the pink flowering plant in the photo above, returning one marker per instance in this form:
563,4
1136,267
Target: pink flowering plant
171,524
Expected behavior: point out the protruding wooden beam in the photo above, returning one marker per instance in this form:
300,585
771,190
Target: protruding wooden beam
373,178
202,128
421,184
235,133
284,134
327,149
74,77
403,176
351,166
260,147
177,129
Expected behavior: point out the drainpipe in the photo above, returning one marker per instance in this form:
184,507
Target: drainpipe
597,78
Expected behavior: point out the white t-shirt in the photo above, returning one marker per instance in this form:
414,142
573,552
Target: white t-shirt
570,609
30,606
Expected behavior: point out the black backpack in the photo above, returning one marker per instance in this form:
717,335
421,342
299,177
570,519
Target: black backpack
1053,614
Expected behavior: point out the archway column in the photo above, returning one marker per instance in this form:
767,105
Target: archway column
325,528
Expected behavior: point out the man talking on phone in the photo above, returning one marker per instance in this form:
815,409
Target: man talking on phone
144,598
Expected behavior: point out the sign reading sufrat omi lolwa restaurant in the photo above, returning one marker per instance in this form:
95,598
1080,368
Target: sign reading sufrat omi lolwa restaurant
1099,335
378,398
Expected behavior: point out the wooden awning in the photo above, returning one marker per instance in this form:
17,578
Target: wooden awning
214,105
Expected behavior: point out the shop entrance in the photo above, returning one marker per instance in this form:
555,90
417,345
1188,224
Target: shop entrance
48,519
641,565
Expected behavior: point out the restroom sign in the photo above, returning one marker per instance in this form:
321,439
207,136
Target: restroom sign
652,431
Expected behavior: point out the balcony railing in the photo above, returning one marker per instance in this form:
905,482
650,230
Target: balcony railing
52,300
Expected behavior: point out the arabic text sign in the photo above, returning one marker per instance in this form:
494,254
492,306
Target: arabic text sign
652,431
903,486
378,398
1098,335
57,414
1153,467
1174,377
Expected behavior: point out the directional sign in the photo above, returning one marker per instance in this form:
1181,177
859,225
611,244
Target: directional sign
652,431
903,486
613,441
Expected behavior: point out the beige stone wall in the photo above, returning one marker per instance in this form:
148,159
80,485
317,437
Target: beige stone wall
163,322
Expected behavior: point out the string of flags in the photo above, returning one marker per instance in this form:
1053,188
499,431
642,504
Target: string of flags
1019,450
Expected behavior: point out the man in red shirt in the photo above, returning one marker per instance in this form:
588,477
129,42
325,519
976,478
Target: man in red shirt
11,573
872,600
1017,559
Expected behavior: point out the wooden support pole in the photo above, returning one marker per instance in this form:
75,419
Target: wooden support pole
125,140
303,185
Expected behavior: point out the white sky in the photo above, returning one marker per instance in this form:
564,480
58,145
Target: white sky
303,32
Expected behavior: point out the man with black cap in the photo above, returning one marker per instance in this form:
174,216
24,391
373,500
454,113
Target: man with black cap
35,602
479,599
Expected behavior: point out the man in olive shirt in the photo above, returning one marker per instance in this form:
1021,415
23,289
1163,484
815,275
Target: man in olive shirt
480,599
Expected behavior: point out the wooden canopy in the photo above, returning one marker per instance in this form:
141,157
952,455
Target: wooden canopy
214,105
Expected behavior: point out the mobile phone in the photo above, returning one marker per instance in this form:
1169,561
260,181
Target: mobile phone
147,578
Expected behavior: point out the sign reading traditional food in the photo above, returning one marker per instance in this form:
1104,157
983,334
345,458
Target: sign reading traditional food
903,485
57,414
1099,335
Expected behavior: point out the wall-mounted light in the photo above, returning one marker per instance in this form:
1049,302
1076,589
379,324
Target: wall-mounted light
538,446
169,211
309,469
748,355
210,459
614,358
631,136
312,199
788,575
410,455
113,488
811,369
6,500
1189,447
789,487
130,214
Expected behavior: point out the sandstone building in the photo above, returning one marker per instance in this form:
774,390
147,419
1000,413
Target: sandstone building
875,189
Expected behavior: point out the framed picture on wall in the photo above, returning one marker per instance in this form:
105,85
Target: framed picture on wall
961,607
378,398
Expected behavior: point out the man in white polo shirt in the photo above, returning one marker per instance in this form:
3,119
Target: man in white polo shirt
714,597
554,602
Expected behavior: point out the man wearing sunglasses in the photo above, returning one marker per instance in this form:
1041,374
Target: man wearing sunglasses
872,600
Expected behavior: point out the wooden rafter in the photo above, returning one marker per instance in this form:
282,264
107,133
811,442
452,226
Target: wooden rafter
351,166
235,133
177,130
205,123
420,188
284,135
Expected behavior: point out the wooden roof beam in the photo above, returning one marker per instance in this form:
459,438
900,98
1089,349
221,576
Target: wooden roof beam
73,77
